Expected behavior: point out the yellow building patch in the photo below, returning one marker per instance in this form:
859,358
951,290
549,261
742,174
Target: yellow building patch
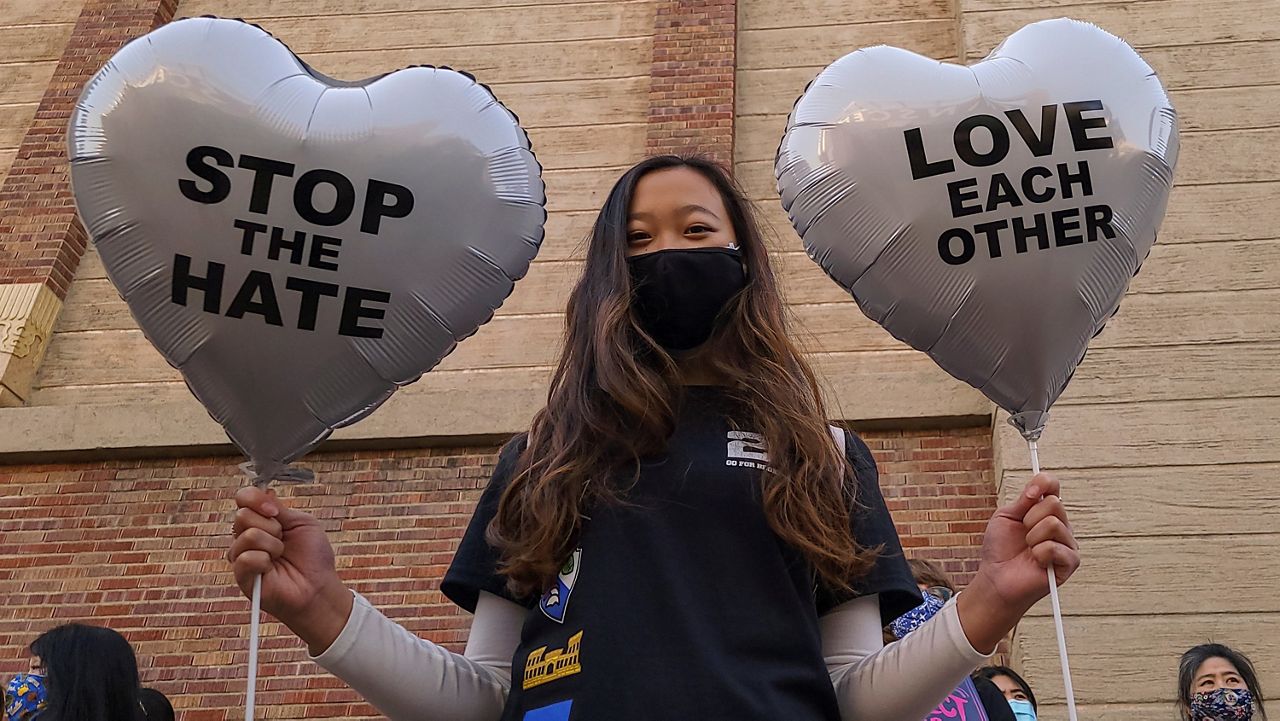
543,667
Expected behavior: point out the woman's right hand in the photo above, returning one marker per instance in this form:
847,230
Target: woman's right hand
288,548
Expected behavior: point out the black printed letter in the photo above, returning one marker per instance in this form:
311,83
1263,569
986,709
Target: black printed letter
921,168
376,208
353,310
1080,126
211,284
196,163
966,246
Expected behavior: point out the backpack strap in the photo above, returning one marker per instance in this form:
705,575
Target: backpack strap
838,433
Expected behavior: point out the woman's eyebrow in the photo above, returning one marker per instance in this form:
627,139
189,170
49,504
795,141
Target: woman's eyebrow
692,207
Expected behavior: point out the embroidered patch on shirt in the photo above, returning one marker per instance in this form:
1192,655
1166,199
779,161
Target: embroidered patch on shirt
555,602
543,666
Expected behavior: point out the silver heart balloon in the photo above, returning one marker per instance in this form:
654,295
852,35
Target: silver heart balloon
298,247
991,215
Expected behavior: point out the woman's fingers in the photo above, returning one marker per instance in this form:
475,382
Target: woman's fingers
1052,528
1036,489
1064,559
256,540
1050,505
263,502
247,518
249,565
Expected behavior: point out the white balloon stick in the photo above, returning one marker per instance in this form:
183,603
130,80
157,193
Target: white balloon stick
256,609
1057,610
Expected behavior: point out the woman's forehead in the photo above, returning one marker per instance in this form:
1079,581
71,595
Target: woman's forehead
672,189
1214,666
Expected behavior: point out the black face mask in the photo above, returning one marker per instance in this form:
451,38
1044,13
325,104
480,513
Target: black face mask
679,293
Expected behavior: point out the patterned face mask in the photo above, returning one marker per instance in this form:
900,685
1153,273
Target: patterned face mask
25,697
1224,704
915,618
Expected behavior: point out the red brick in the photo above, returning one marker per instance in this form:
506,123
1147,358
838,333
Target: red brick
691,91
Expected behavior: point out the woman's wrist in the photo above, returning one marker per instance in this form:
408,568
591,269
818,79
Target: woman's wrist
985,615
323,620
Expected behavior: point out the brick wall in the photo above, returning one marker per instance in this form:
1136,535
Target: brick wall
939,486
138,546
691,85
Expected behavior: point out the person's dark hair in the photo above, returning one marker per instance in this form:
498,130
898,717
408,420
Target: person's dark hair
156,705
615,394
930,573
990,672
91,674
1196,656
993,700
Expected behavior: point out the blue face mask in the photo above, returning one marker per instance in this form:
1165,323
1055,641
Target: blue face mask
1022,710
25,697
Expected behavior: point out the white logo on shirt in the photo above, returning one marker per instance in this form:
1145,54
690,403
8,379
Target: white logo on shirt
746,450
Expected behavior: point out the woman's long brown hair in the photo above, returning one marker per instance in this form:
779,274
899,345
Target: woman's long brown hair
614,397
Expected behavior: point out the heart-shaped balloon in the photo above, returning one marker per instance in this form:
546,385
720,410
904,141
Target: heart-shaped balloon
298,247
991,215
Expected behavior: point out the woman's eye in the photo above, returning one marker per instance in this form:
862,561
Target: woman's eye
637,236
698,229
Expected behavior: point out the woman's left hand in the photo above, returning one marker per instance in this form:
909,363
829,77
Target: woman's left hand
1023,539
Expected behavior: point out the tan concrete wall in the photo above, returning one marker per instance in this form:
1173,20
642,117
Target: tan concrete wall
576,73
1166,439
32,35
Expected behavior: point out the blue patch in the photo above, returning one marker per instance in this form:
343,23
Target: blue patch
554,712
555,602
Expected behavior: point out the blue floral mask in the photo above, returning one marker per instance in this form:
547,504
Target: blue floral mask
1224,704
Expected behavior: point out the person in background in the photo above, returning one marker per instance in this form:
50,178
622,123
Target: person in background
1016,690
89,673
993,702
929,574
156,705
938,588
1218,683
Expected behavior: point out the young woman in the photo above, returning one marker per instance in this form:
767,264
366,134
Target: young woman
1218,683
1016,690
87,672
680,534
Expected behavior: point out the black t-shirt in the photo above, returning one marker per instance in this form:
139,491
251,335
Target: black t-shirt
682,603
